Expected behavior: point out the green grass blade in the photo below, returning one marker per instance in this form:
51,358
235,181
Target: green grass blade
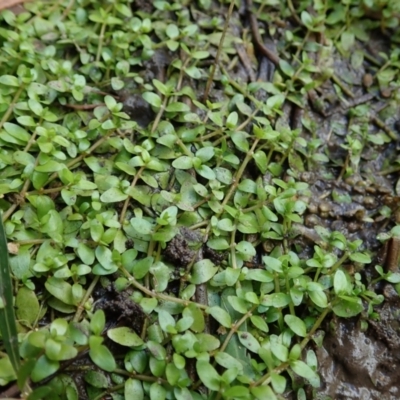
8,327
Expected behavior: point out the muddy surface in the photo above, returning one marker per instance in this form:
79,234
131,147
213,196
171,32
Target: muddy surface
119,307
358,364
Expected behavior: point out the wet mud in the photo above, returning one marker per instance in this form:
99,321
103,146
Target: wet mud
358,364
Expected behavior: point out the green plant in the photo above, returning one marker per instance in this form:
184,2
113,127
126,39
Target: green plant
173,213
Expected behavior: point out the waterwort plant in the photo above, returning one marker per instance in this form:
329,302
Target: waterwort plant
93,199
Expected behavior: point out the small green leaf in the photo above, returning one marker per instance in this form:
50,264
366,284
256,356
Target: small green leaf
40,393
249,341
206,343
203,271
280,351
260,275
85,253
347,40
317,294
137,361
263,393
157,392
96,379
44,368
183,162
240,141
110,102
347,306
141,267
142,225
148,305
259,323
340,283
105,258
167,321
161,275
232,120
278,382
113,195
223,175
184,324
60,290
303,370
272,263
239,305
206,172
286,68
156,350
153,99
237,392
306,19
177,107
27,306
98,322
9,80
261,161
49,166
296,325
218,244
133,389
57,351
100,355
208,375
362,258
246,250
220,315
125,336
196,315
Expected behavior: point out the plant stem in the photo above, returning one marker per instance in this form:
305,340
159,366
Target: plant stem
339,262
220,46
101,38
236,326
85,298
21,197
126,203
159,114
11,107
159,296
342,86
77,160
284,366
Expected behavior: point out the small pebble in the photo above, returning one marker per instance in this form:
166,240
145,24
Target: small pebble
367,80
324,207
386,92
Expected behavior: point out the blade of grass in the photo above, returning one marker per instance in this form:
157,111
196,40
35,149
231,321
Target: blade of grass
8,327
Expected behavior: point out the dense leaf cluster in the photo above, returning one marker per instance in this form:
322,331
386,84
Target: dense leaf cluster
92,194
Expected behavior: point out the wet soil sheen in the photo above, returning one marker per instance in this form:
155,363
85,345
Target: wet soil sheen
358,364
